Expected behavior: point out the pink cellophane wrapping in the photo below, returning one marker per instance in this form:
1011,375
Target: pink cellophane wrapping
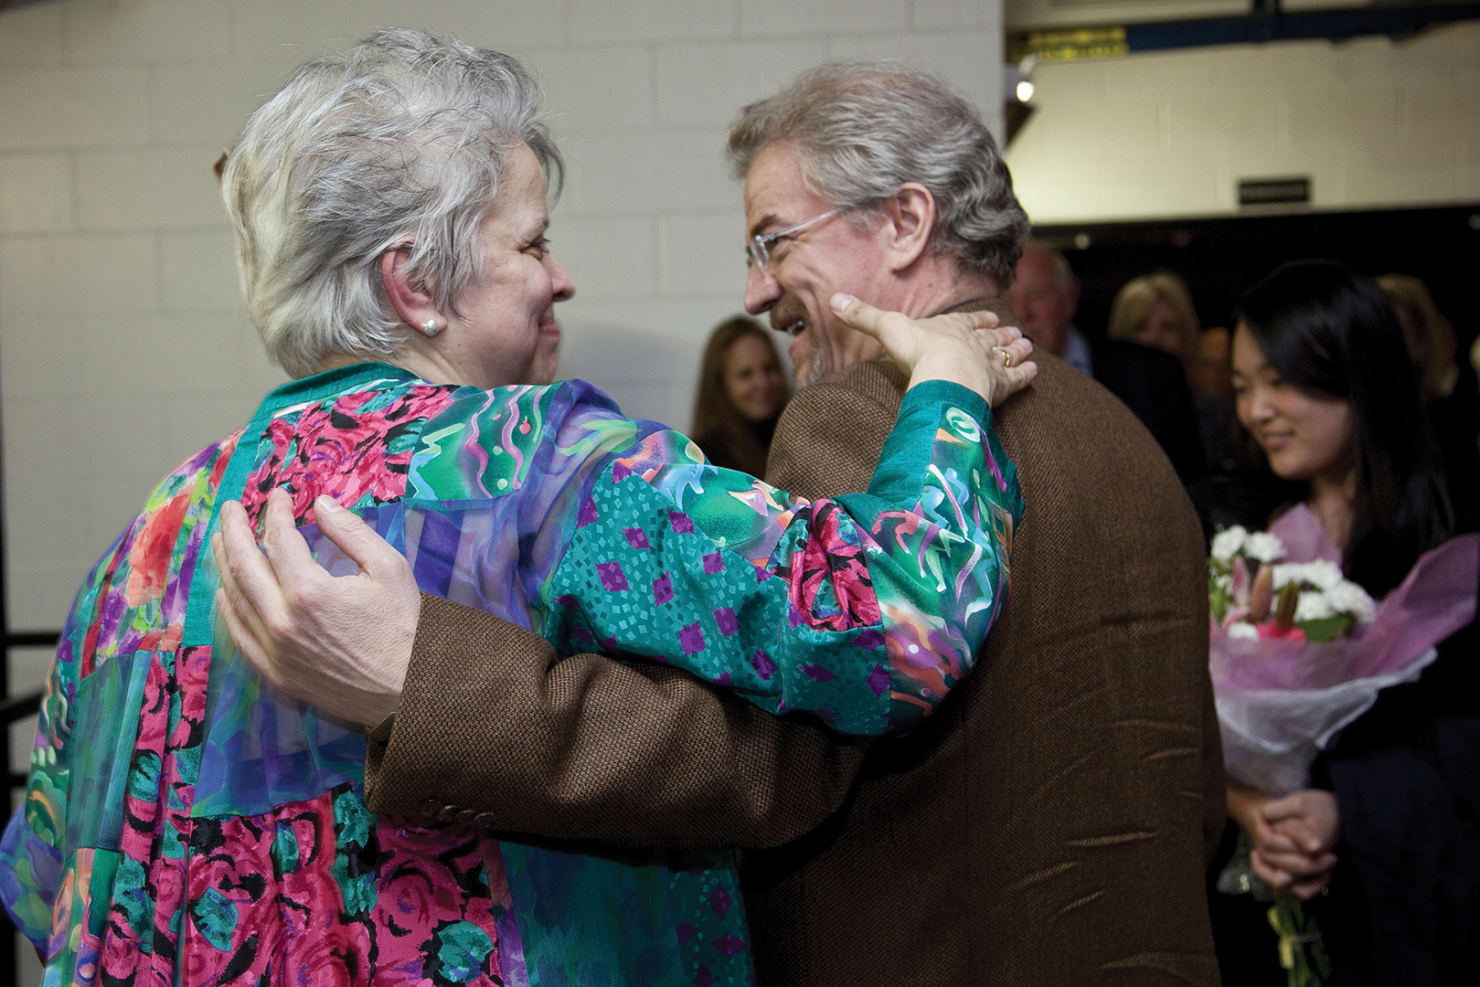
1280,702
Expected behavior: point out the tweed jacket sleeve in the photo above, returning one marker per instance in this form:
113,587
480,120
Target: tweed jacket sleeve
832,432
586,748
492,725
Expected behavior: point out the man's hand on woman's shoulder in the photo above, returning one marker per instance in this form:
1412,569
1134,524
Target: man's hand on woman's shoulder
340,643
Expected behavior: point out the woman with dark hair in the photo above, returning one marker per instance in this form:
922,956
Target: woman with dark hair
1328,345
1388,824
741,393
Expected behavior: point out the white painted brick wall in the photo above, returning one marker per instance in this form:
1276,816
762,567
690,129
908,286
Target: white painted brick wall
201,104
197,272
609,256
76,107
597,89
147,31
787,18
933,15
148,189
75,274
32,35
699,252
703,83
604,22
1373,122
665,170
36,193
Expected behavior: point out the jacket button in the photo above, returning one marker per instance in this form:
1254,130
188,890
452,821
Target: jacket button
465,817
448,813
429,807
484,820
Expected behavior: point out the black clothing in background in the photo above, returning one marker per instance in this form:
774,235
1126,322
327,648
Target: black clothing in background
746,456
1456,421
1404,903
1249,498
1154,386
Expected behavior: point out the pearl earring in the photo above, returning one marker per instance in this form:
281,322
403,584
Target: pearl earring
431,327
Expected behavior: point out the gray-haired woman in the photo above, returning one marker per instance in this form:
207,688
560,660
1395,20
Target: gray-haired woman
185,824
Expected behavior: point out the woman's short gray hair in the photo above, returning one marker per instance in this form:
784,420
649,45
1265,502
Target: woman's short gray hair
863,129
398,142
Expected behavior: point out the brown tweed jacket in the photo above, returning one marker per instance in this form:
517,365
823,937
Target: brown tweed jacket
1050,825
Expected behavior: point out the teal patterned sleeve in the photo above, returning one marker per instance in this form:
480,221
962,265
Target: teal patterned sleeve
863,611
30,851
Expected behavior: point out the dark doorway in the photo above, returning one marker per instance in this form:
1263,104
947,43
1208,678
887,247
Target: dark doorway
1219,258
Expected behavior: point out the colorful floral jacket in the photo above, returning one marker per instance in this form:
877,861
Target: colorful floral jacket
184,825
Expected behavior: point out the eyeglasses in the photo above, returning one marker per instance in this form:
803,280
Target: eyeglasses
758,247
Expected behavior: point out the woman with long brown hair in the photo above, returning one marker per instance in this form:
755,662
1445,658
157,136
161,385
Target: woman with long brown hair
741,393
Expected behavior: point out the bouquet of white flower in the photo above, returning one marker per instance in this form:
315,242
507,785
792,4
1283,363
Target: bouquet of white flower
1293,601
1297,652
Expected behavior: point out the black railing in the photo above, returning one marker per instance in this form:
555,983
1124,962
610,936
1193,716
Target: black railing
12,708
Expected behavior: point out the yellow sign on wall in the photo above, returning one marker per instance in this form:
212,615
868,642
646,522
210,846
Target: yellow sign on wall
1068,44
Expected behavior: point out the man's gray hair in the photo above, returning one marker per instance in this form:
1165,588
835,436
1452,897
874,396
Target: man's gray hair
398,143
863,129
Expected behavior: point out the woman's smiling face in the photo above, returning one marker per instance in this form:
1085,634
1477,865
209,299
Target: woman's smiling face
1304,435
752,378
505,330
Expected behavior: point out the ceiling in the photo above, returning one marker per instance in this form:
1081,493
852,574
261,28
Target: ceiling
1020,14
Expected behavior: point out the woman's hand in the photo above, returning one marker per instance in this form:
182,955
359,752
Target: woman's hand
964,347
1292,837
1246,806
1312,820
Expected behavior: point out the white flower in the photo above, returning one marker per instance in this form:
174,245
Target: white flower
1264,547
1227,542
1350,598
1289,572
1313,606
1243,631
1322,574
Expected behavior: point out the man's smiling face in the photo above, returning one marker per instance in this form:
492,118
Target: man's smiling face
808,267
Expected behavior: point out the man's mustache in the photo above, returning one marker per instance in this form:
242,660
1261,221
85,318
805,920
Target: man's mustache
789,316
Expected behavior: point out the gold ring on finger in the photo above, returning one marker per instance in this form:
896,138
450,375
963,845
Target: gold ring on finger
1005,354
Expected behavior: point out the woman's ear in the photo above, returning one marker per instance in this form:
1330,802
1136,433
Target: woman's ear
910,215
413,304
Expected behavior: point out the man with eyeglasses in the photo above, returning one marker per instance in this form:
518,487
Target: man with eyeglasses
1051,824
